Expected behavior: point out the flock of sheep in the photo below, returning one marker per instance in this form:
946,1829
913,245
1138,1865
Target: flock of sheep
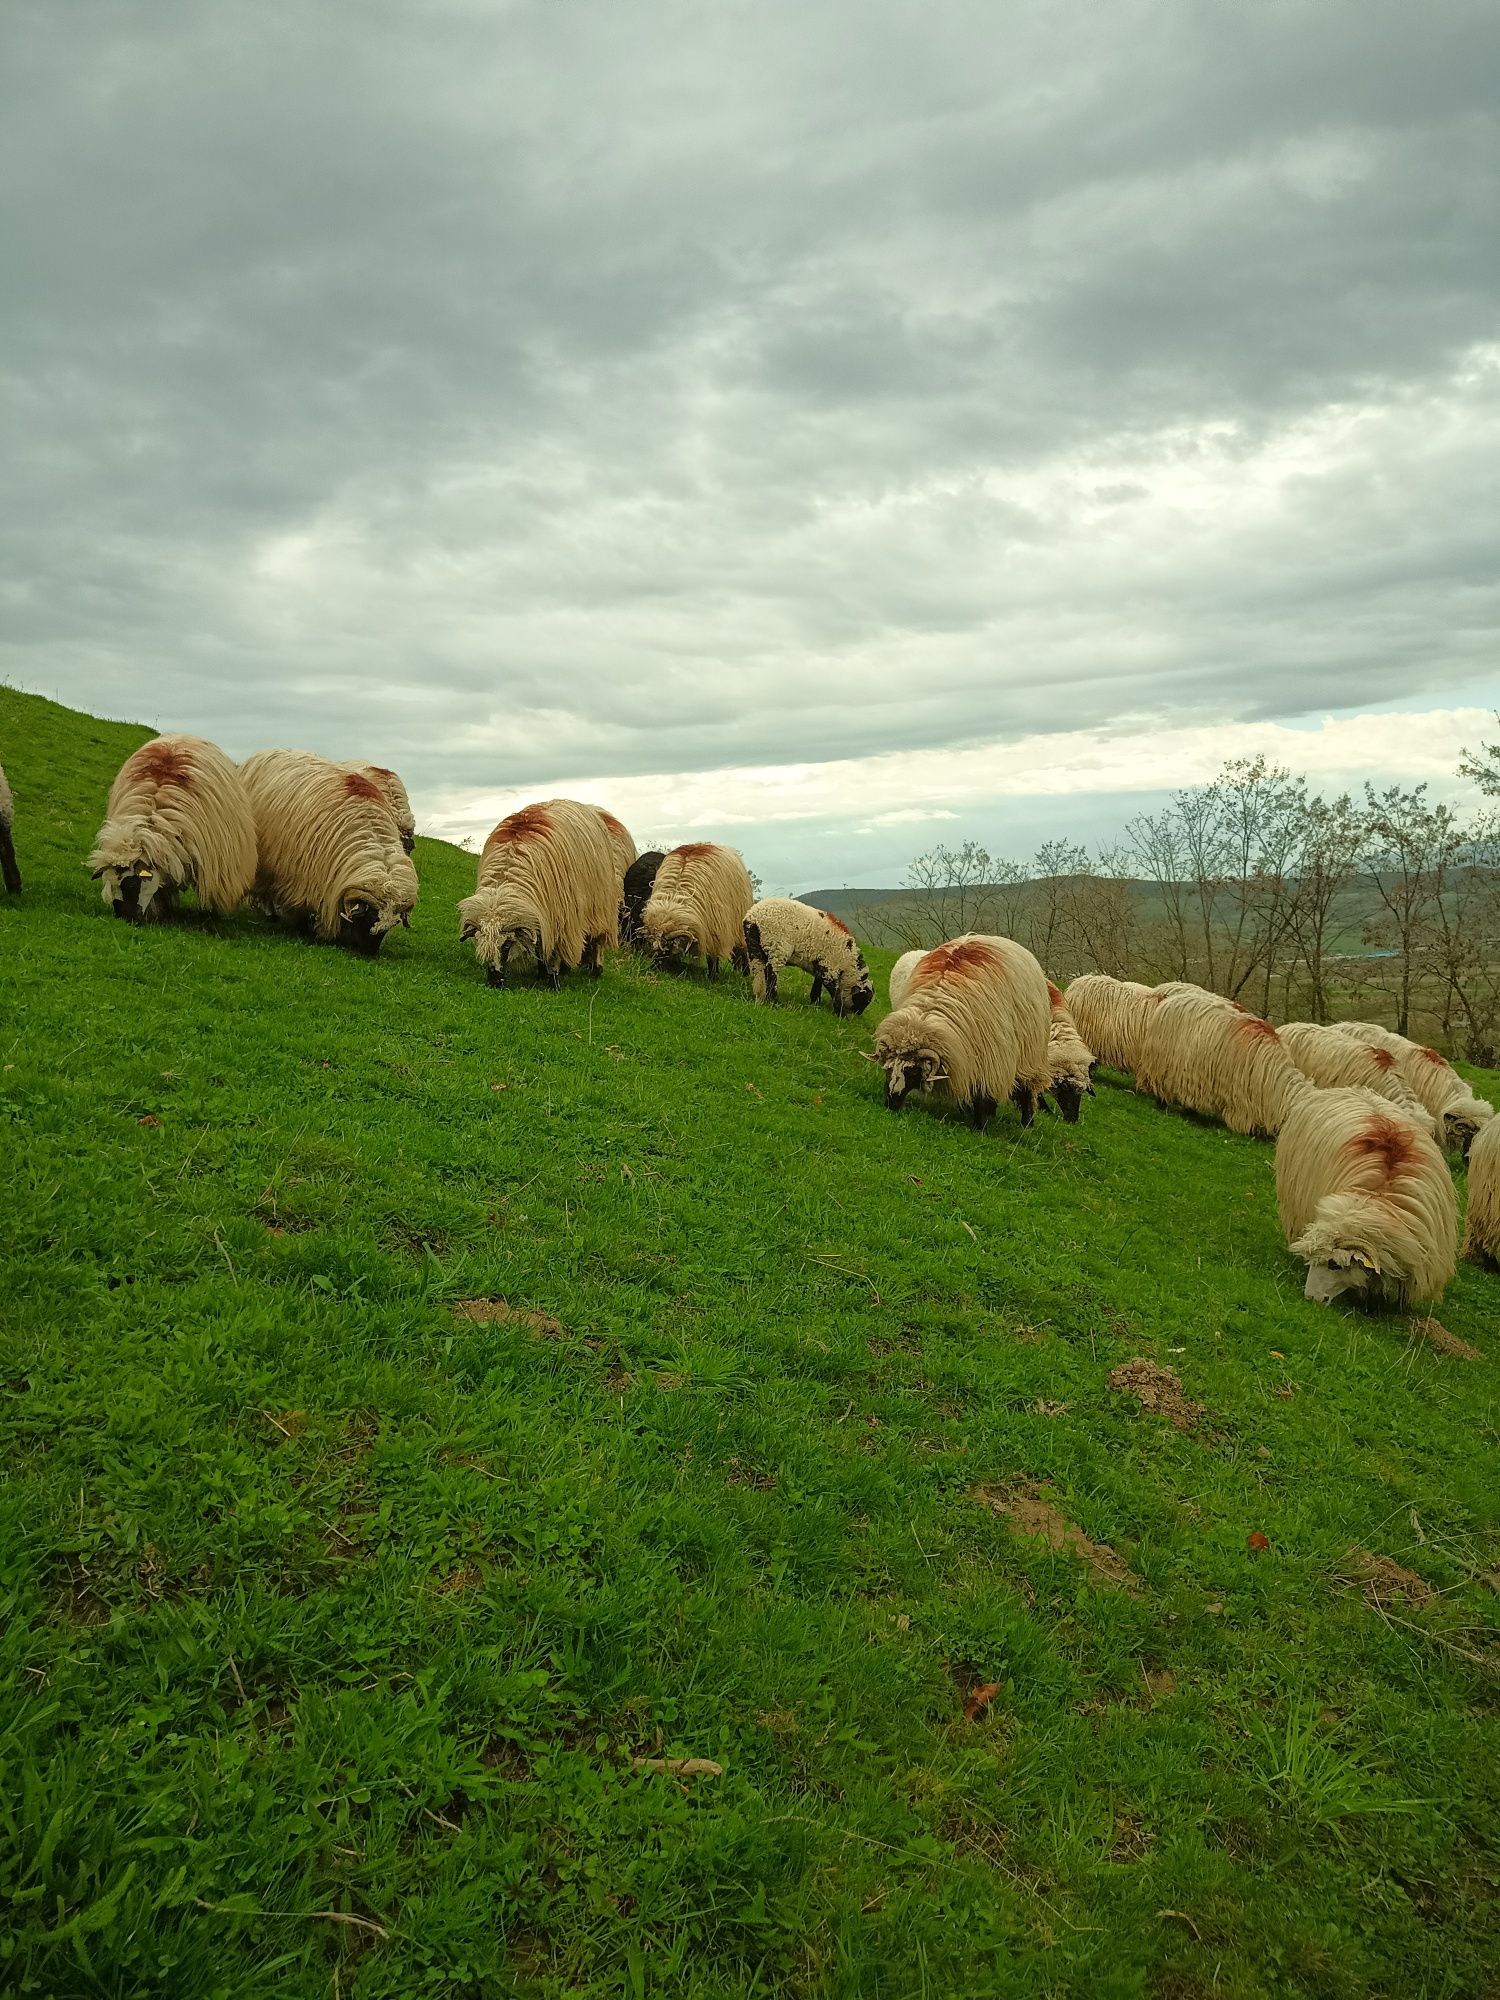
1362,1118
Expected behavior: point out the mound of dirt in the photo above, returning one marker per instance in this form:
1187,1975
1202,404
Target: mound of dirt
1384,1581
1157,1390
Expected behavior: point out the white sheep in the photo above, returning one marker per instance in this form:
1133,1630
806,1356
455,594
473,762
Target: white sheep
331,855
780,931
972,1026
1338,1062
1482,1233
547,884
1199,1050
697,906
9,872
1431,1078
901,973
1109,1014
1070,1060
395,797
178,817
1365,1199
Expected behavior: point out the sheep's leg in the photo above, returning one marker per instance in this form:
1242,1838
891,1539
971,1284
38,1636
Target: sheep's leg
553,969
739,958
817,988
1024,1099
8,866
768,979
593,956
981,1111
713,967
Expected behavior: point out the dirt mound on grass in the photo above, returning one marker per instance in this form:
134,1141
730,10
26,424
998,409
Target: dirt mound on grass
1383,1580
1157,1390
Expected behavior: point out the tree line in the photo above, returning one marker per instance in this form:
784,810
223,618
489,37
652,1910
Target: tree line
1297,905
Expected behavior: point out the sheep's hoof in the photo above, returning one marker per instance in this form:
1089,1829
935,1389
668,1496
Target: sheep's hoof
494,975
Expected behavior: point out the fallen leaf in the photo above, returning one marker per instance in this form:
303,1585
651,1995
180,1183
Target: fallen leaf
754,1092
1213,1610
903,1621
1284,1394
1277,1355
499,1086
148,1120
980,1698
964,1225
1256,1541
679,1767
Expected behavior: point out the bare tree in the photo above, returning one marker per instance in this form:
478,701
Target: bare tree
1483,766
1412,845
1333,838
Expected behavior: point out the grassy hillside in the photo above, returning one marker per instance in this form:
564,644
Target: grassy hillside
421,1403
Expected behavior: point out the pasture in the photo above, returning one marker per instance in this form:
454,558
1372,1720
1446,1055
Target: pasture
431,1413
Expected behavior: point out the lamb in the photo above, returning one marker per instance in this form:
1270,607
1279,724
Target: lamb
779,931
1201,1052
1336,1061
1433,1079
1109,1014
331,855
178,817
1070,1061
640,877
395,798
972,1025
547,884
698,904
1365,1199
9,872
1482,1233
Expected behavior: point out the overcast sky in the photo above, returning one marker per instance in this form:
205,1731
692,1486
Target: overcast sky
825,427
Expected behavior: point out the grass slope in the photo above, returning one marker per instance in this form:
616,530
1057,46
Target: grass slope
334,1620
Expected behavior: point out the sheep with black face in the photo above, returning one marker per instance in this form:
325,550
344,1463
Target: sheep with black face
331,855
640,878
972,1027
1070,1061
697,907
547,888
780,931
179,817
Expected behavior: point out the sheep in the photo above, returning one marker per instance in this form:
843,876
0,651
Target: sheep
1109,1014
178,817
546,884
9,872
640,877
697,905
621,842
1433,1079
1482,1233
1365,1199
1336,1061
972,1024
779,931
1199,1051
331,857
1070,1061
901,973
395,798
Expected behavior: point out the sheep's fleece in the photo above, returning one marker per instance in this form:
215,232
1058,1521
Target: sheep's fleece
179,817
330,850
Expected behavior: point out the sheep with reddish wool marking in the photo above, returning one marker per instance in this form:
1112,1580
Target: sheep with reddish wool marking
780,931
179,817
1338,1062
395,797
1198,1051
621,843
1109,1015
640,879
971,1027
1432,1079
10,873
1070,1060
1365,1199
697,908
331,855
1482,1230
547,887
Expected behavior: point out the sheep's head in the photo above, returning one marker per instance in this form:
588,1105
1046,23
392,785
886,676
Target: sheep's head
1462,1121
670,948
499,926
131,889
853,989
1069,1094
365,921
908,1056
1346,1274
1343,1259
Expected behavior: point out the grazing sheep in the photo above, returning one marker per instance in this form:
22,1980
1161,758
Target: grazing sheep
1339,1062
178,817
1199,1051
395,798
331,856
1482,1235
780,931
1365,1199
547,885
621,842
1070,1061
1109,1015
972,1025
640,877
1433,1079
697,905
9,872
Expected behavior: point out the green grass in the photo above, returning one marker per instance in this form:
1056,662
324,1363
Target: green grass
331,1621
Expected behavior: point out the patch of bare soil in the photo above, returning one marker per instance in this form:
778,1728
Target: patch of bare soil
500,1311
1157,1390
1031,1513
1437,1335
1384,1581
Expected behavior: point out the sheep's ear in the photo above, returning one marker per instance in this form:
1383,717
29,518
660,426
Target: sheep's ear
1365,1263
467,933
95,873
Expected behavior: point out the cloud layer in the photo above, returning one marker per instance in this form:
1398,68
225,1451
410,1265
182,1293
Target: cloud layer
675,396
